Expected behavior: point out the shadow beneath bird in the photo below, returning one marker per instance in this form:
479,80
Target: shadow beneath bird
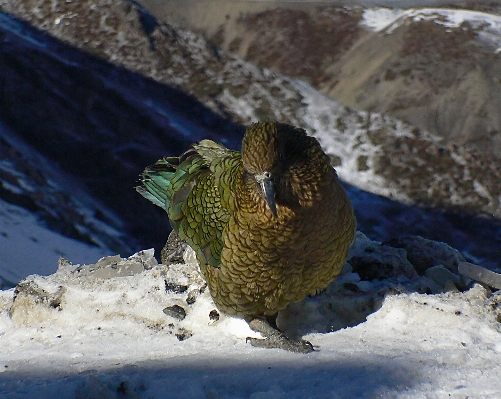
373,271
220,376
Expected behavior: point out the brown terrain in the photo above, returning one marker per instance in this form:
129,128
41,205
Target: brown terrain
440,79
376,153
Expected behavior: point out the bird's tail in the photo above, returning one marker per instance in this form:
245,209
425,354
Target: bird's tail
169,181
156,181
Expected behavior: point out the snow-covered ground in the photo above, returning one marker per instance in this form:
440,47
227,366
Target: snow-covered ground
106,331
27,247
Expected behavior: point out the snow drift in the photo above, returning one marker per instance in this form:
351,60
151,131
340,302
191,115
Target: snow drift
134,328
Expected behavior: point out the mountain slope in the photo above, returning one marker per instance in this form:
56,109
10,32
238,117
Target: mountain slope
374,152
75,128
436,68
109,122
439,69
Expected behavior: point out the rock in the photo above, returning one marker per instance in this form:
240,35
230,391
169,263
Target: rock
424,253
146,258
442,276
427,285
112,270
382,262
183,334
175,311
195,293
192,296
32,302
114,266
175,287
214,315
480,274
105,262
173,250
29,288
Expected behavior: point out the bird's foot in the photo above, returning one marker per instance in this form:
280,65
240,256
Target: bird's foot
276,339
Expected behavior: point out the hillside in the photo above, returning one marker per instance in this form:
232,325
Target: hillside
436,68
371,151
75,132
119,91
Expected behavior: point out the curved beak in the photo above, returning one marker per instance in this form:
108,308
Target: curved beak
268,189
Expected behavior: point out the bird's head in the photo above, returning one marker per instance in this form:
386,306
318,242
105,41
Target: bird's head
268,149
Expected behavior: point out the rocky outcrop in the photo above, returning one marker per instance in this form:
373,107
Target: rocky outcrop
438,71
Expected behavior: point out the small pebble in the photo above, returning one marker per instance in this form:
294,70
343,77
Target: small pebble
171,286
183,334
214,315
192,296
175,311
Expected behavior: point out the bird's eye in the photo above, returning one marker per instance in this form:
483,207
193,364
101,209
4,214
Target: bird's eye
267,175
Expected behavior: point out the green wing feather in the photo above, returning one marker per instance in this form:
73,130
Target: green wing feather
196,194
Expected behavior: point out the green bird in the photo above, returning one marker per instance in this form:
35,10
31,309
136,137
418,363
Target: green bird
270,224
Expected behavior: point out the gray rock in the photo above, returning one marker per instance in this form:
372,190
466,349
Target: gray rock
381,262
173,250
175,311
480,274
424,253
441,276
115,266
173,286
183,334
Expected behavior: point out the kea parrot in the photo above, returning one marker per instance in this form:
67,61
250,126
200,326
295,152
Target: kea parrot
270,224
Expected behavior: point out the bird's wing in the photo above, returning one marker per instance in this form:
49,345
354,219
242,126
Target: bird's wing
194,194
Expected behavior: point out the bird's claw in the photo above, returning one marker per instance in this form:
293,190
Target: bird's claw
289,345
276,339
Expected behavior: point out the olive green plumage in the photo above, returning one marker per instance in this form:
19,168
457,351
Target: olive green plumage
270,225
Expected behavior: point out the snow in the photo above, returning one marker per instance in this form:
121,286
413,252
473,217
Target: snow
28,247
91,332
43,202
377,19
488,26
321,116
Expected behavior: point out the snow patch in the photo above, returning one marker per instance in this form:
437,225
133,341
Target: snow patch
77,334
27,247
378,19
342,132
488,26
